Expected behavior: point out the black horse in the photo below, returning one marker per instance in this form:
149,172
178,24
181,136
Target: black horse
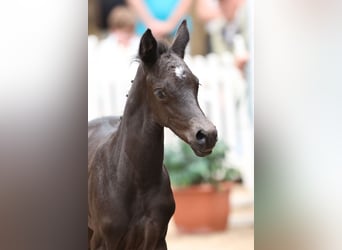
130,201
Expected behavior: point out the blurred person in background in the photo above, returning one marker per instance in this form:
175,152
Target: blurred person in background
105,8
121,37
114,58
226,25
162,17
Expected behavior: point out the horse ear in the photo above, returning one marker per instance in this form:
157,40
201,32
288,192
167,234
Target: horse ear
181,40
148,48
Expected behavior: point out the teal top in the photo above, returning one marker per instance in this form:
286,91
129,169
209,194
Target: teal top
161,10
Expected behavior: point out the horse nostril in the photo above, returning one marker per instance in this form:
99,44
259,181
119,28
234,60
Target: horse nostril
201,137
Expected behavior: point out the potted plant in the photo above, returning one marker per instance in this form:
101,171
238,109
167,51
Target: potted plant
201,187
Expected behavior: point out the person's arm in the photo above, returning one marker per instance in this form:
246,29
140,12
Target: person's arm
140,8
207,10
181,10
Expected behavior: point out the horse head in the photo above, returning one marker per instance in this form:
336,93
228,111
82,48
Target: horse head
172,91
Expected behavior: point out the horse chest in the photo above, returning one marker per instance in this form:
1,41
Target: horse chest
148,223
157,205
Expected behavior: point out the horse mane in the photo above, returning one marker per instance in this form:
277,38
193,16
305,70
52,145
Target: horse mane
163,47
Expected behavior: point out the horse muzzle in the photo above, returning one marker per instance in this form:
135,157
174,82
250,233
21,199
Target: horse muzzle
204,142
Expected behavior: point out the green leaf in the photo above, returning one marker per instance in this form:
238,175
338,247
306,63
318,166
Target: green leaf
186,169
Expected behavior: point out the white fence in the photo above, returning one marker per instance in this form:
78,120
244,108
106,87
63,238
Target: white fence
222,96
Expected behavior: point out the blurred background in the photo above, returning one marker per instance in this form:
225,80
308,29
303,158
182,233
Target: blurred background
220,54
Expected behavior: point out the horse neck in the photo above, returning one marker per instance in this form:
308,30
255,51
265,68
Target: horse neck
141,139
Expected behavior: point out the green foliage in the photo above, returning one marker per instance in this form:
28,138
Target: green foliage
185,168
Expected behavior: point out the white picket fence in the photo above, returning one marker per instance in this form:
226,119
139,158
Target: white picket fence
222,97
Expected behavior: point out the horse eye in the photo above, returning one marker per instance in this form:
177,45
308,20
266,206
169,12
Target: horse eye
160,94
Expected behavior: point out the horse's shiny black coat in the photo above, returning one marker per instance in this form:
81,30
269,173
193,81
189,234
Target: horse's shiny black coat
130,201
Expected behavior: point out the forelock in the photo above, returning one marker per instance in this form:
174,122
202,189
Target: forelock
162,47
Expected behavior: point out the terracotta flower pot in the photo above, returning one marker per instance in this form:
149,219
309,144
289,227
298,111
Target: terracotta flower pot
202,208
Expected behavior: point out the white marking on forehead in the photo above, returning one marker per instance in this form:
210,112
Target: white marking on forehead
179,71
